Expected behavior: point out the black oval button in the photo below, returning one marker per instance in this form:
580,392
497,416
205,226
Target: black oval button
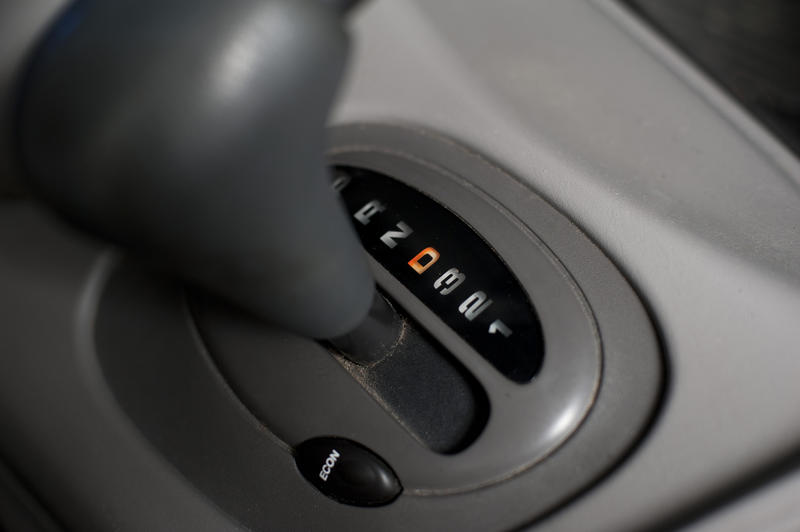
347,471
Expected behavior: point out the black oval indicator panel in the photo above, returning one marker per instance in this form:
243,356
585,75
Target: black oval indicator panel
447,266
347,471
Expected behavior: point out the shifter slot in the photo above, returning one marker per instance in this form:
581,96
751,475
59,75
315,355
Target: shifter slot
426,390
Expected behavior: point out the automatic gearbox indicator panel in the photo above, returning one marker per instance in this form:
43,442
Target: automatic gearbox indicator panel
447,266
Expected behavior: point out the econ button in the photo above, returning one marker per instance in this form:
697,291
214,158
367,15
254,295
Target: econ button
347,471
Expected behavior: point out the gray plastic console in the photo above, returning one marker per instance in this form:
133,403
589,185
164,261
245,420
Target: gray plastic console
124,380
544,441
691,198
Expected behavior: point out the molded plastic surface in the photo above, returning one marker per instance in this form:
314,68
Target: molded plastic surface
122,336
21,25
191,416
695,203
692,199
64,433
192,133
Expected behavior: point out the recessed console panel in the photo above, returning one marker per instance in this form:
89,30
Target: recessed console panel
529,367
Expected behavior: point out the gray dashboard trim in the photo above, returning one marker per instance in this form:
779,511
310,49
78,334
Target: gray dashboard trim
700,217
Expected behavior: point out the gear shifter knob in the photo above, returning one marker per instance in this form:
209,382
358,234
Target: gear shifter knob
192,132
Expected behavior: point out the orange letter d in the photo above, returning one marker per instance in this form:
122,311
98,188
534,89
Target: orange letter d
432,255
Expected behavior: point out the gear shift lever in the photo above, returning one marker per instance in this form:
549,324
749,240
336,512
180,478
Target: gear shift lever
192,132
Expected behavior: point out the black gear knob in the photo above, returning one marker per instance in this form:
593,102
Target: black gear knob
192,132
